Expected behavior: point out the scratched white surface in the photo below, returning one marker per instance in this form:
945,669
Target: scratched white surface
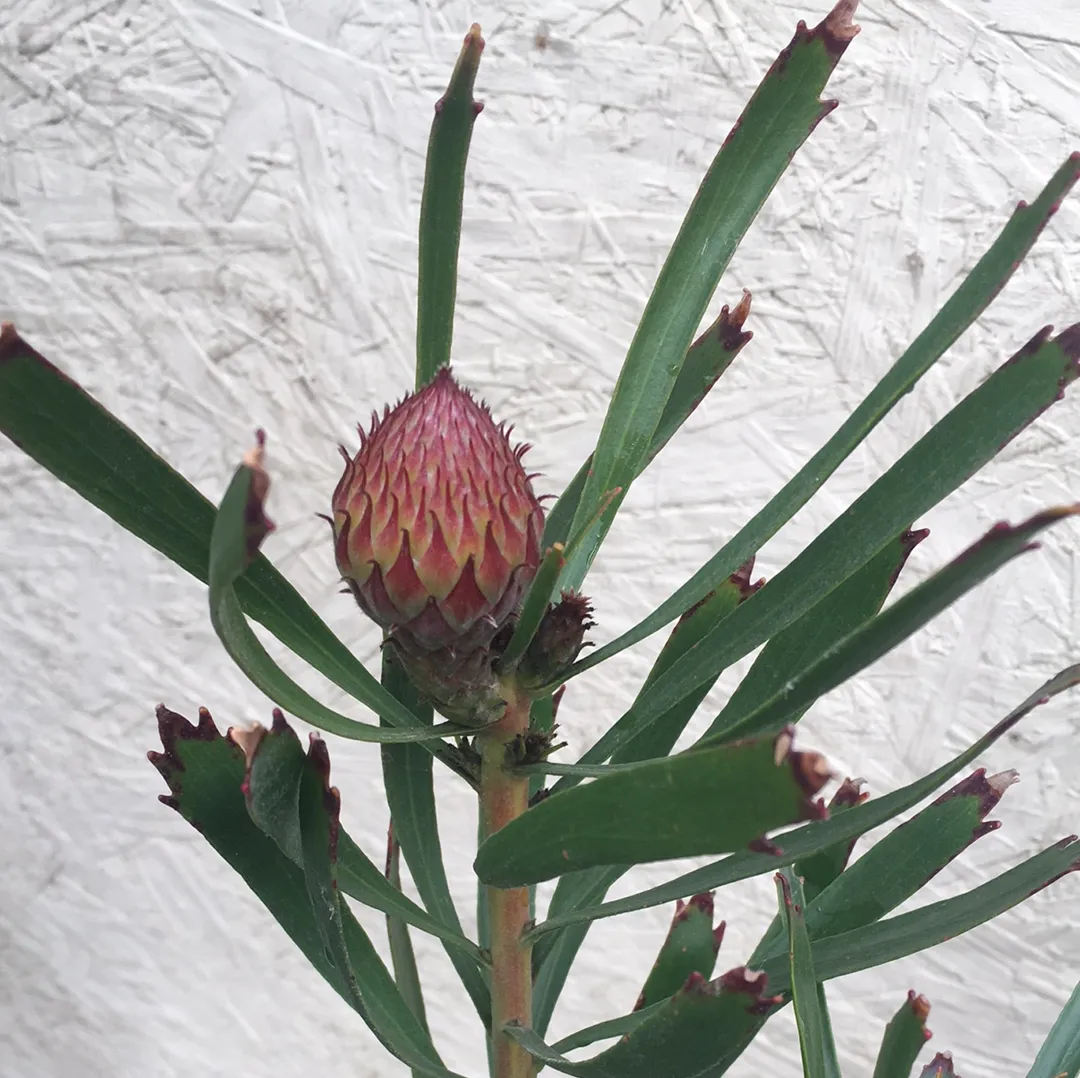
208,215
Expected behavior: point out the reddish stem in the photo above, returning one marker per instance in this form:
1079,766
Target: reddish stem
503,797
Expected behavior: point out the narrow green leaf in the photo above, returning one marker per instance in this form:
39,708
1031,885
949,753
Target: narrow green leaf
554,954
817,872
787,654
690,947
360,879
402,955
318,815
808,1012
904,1038
706,801
533,608
832,1058
903,861
784,110
820,869
706,360
204,772
896,937
701,1027
272,786
440,211
875,638
54,421
790,652
410,794
231,546
974,295
817,836
878,636
951,452
1059,1057
702,1038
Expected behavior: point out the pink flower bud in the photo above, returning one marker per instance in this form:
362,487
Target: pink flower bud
437,530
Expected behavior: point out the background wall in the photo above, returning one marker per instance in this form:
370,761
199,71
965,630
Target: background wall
208,215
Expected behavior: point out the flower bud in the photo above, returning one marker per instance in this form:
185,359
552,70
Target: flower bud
557,642
437,530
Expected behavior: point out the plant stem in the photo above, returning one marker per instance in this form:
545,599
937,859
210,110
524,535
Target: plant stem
504,797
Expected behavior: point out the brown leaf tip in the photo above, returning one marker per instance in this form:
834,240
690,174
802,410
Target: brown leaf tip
763,845
741,579
941,1066
257,525
703,903
747,982
908,542
696,985
988,791
474,38
920,1008
172,729
728,327
319,758
838,29
718,936
809,769
1068,340
247,739
849,794
9,339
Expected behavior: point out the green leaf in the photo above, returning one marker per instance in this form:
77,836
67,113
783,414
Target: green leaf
232,544
555,954
787,654
706,801
440,211
784,110
832,1059
896,937
903,861
410,794
54,421
690,947
952,451
1059,1057
988,277
904,1038
808,1012
814,837
204,772
402,955
272,792
702,1038
319,813
534,607
820,869
705,1024
790,652
875,638
706,360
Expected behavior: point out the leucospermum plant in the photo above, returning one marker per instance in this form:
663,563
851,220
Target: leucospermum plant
439,535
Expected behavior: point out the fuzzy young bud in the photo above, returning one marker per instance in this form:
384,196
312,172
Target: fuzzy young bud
557,642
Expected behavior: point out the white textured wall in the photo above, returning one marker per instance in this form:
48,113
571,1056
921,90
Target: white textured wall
208,215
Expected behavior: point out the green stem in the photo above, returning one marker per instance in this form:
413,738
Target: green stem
504,796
